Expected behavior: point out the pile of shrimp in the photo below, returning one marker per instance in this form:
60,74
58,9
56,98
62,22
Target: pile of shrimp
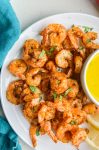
49,87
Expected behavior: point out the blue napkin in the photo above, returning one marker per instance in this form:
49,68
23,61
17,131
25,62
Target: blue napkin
9,33
9,28
8,138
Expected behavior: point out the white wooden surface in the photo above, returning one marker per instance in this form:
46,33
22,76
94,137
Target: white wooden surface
29,11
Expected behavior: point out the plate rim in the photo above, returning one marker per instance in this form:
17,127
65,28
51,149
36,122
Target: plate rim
1,95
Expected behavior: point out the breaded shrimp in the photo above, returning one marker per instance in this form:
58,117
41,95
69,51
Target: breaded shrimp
87,40
18,68
33,76
32,131
63,58
53,35
46,125
78,61
14,91
78,136
58,82
29,47
74,88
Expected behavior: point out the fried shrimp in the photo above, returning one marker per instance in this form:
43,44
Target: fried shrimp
50,90
87,40
29,47
45,85
73,85
13,92
63,131
74,33
61,104
30,93
46,125
18,67
58,82
38,59
77,31
32,131
33,76
67,44
78,136
50,114
78,61
90,108
53,35
78,115
42,113
76,103
50,66
29,111
32,54
63,58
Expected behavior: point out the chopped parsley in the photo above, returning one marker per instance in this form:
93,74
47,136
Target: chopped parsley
73,122
81,48
67,91
51,50
88,40
37,132
60,97
87,29
42,54
55,95
33,89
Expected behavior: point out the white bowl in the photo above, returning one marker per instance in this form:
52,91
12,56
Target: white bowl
83,77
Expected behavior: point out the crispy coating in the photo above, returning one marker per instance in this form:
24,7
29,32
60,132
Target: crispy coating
50,90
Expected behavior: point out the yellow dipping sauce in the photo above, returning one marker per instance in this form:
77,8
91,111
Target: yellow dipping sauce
92,77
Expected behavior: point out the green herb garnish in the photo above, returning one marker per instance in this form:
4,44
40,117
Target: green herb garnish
55,95
51,50
33,88
60,97
37,132
67,91
42,54
81,48
73,122
88,40
87,29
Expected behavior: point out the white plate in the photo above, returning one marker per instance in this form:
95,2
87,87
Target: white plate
14,113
